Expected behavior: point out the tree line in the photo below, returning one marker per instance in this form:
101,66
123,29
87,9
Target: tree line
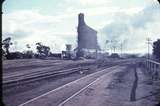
42,50
156,50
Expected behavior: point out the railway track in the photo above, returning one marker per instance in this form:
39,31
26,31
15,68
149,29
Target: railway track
39,75
69,90
31,77
31,71
19,88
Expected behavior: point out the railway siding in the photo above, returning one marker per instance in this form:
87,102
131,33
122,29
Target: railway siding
60,94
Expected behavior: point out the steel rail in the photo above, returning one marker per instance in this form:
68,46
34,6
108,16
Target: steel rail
41,76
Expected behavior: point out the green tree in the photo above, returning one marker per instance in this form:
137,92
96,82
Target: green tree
156,49
28,46
42,50
6,44
29,53
39,48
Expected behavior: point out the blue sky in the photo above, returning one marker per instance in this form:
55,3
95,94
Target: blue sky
54,22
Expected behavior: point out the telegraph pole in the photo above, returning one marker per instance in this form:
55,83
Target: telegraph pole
114,48
15,43
111,46
121,48
148,42
122,45
114,45
106,43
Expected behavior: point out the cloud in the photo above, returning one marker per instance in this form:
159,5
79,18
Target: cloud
29,27
149,14
20,33
94,2
103,10
135,29
131,23
91,2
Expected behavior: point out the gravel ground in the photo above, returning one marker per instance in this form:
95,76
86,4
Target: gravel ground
116,90
57,96
108,91
22,93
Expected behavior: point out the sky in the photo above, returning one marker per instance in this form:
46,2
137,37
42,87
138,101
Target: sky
54,23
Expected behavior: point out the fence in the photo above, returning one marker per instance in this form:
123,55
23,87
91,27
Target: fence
153,68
